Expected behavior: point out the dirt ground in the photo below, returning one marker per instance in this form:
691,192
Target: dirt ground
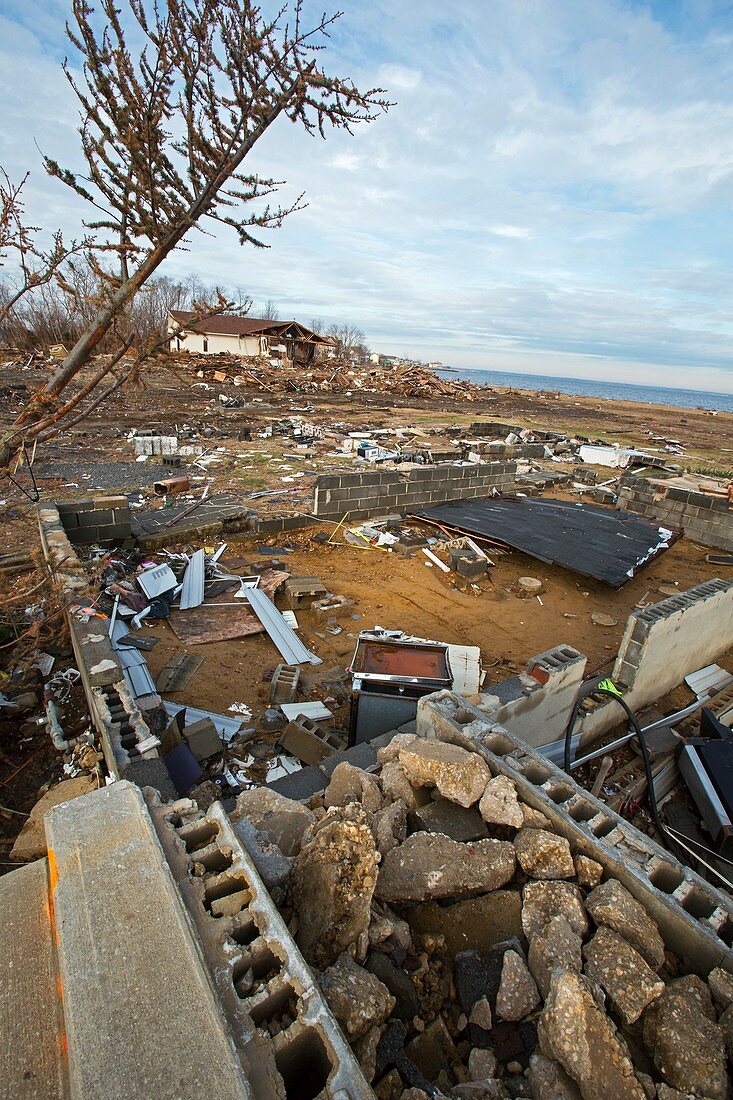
400,594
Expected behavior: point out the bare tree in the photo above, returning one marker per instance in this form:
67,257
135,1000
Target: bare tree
350,340
166,134
35,266
270,312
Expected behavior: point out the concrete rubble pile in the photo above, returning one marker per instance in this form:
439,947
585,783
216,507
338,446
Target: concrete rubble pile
466,951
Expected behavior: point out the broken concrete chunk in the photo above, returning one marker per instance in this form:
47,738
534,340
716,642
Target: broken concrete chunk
499,804
30,842
721,987
391,751
518,993
480,1014
686,1044
620,970
407,1002
458,775
555,946
433,1050
541,901
430,865
476,922
350,784
460,823
480,1090
396,786
612,905
482,1064
280,819
534,819
576,1033
333,880
544,855
357,998
365,1050
390,826
587,871
726,1026
549,1081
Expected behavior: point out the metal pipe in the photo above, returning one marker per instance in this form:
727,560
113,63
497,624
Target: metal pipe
54,727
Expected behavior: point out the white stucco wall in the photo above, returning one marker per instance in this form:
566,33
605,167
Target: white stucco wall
234,345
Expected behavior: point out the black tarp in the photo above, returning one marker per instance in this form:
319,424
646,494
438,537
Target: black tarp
596,542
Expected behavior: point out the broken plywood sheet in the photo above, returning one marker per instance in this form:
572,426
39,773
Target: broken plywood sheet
596,542
218,621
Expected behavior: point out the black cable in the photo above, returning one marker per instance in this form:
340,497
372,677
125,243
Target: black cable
597,690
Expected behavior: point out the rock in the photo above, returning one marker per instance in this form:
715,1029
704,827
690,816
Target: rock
721,987
414,1094
389,1087
390,826
480,1014
529,586
549,1081
273,866
577,1034
282,820
30,842
622,973
664,1092
482,1064
433,1050
541,901
365,1050
391,751
684,1040
587,871
458,775
518,993
349,784
480,1090
333,883
725,1023
396,786
499,804
475,922
544,855
612,905
391,1053
555,946
407,1002
599,618
460,823
429,865
534,819
357,998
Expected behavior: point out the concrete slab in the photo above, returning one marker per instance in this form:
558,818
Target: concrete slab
32,1066
141,1016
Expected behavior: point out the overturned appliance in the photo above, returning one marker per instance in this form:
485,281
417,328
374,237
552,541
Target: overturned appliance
390,673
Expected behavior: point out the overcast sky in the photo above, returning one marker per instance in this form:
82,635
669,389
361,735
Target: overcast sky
552,192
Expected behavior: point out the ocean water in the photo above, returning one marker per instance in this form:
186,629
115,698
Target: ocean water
586,387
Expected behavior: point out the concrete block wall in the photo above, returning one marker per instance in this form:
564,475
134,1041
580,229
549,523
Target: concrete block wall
705,519
509,450
494,429
377,492
694,918
664,643
286,1036
101,519
536,704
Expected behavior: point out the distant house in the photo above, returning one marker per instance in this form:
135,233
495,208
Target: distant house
244,336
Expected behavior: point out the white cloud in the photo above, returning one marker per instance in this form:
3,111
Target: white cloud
518,232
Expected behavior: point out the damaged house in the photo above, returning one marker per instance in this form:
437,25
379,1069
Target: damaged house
247,337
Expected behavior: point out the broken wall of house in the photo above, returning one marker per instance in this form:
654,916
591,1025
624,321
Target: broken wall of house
706,519
380,491
664,643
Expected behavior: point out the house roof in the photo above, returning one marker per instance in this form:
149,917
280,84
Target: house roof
228,325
